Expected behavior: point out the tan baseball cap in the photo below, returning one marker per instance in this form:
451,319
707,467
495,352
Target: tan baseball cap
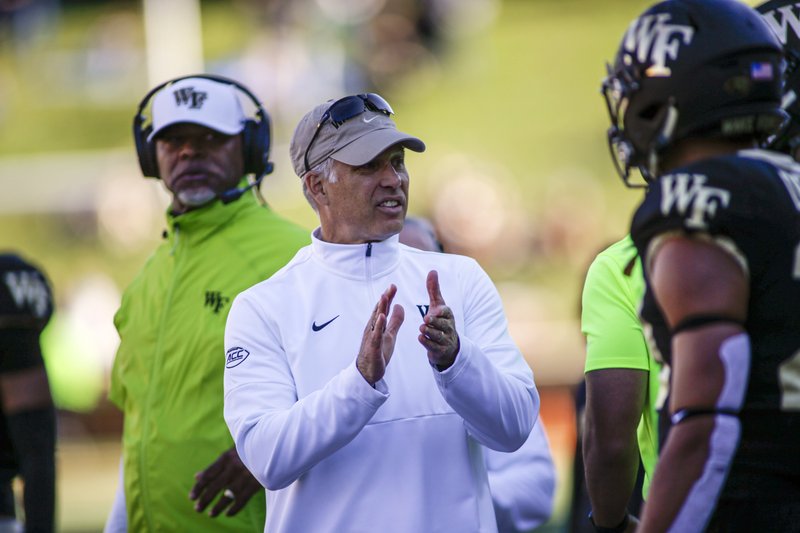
200,101
357,141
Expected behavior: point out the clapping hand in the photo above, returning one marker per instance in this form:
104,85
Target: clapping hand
438,331
380,334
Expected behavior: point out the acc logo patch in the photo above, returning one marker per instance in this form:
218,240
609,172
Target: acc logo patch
235,357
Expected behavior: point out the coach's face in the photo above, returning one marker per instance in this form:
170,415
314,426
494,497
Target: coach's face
197,164
366,203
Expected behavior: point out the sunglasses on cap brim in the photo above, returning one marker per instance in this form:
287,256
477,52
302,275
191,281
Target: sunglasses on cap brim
346,108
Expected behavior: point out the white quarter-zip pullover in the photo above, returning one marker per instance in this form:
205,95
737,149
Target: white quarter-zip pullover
338,455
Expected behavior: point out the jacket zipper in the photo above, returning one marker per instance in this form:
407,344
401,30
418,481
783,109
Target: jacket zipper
368,272
177,233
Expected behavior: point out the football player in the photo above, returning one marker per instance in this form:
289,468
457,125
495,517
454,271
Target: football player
27,415
783,17
695,88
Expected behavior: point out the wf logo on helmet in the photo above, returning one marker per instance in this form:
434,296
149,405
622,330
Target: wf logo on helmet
652,40
189,97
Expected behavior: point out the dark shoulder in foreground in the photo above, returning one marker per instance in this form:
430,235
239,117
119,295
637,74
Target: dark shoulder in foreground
719,196
25,297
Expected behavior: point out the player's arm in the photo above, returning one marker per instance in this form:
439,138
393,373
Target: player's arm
703,292
30,415
615,398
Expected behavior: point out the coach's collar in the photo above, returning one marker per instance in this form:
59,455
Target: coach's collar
357,261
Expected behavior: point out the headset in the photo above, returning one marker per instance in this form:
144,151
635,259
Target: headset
255,137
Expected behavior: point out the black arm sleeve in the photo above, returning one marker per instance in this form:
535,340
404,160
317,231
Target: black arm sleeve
34,435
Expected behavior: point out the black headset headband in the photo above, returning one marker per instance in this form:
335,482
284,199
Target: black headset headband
256,135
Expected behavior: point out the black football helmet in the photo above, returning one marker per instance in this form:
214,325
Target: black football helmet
783,17
691,68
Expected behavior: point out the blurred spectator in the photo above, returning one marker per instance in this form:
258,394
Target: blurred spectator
523,483
24,21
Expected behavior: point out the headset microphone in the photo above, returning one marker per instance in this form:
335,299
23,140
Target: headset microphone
232,195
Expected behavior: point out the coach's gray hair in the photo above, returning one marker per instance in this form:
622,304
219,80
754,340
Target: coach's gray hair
325,169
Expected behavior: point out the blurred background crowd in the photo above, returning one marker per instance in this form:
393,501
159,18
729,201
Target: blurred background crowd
505,94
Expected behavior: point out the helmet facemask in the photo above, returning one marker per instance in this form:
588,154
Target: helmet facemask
656,127
691,68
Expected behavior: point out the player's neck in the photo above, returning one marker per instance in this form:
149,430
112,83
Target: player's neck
688,151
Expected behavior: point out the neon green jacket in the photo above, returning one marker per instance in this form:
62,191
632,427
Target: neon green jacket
614,335
167,375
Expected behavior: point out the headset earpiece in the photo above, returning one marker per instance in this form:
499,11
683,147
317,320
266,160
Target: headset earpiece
145,149
255,134
255,146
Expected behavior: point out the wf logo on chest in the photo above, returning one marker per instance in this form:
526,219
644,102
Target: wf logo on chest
28,290
652,40
190,98
216,301
688,195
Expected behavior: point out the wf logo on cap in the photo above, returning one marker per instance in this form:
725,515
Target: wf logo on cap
189,97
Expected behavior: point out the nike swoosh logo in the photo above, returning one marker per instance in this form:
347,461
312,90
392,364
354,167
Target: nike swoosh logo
370,120
315,327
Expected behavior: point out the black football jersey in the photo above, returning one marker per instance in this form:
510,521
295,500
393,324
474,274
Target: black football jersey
25,298
26,305
750,203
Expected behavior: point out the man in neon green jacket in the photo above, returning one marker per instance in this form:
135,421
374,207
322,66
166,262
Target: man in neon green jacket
167,375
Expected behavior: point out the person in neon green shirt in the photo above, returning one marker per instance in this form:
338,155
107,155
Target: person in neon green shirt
622,384
168,372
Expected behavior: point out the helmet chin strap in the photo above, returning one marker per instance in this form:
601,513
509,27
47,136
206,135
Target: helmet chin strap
662,140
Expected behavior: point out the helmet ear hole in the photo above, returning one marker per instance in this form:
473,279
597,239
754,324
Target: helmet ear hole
650,112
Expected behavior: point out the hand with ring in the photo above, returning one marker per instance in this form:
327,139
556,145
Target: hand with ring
438,331
227,478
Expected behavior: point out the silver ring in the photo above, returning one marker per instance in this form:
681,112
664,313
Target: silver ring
229,494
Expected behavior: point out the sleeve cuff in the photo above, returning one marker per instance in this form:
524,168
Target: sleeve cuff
444,377
373,396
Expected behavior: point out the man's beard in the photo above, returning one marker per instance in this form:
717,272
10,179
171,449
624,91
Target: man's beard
196,196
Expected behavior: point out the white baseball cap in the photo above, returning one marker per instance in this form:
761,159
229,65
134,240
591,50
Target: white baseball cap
208,103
